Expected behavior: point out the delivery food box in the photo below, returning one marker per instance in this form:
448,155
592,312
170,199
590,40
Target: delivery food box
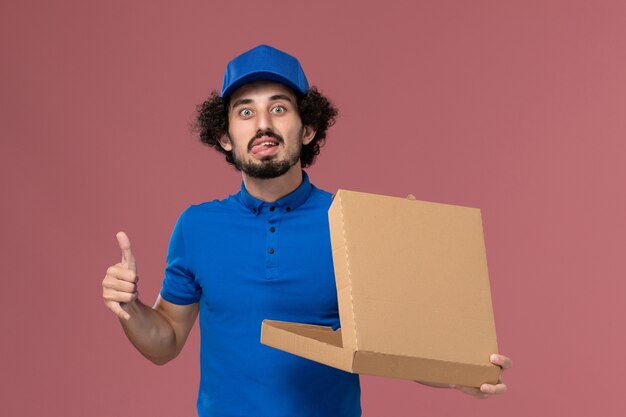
413,293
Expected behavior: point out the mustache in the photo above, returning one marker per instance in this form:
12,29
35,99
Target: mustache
267,133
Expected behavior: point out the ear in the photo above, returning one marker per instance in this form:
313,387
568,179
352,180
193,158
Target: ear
225,143
308,133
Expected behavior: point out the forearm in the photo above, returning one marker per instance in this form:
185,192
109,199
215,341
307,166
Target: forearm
150,332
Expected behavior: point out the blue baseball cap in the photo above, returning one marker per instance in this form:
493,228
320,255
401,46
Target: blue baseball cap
267,64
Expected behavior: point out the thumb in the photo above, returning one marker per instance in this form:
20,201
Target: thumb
128,259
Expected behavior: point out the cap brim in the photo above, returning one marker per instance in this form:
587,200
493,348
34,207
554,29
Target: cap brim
260,76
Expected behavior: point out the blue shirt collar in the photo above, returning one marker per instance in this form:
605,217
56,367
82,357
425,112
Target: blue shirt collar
289,202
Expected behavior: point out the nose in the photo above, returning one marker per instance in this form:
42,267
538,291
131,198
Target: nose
264,121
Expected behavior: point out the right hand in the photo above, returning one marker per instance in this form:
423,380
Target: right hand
119,286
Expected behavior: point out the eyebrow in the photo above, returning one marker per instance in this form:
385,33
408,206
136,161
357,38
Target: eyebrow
275,97
241,101
280,97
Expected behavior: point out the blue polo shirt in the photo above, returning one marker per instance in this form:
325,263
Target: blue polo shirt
245,260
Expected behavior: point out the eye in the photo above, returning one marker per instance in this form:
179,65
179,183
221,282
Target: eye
279,109
245,113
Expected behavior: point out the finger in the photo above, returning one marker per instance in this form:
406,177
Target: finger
410,197
472,391
119,285
493,389
467,390
487,389
127,255
119,272
501,360
500,389
119,296
118,310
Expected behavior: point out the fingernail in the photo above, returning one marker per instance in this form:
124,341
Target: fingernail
493,358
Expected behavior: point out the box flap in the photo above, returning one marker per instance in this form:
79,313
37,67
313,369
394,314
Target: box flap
319,343
412,278
424,369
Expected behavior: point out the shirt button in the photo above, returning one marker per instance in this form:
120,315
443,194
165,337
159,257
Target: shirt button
270,251
288,209
272,229
272,208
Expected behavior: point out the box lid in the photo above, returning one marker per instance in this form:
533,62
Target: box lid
412,278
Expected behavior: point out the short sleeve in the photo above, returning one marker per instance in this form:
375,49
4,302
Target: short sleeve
179,284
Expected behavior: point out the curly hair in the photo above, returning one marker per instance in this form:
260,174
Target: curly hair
315,110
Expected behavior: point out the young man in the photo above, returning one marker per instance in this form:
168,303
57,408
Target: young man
263,253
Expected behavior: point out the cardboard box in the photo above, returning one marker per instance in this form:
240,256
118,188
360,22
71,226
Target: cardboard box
413,293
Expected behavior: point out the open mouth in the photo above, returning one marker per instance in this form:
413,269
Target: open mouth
264,146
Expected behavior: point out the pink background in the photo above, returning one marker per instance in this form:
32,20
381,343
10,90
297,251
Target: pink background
516,107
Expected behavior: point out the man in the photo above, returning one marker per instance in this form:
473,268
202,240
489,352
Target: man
263,253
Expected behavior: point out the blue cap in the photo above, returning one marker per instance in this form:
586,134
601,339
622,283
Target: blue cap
267,64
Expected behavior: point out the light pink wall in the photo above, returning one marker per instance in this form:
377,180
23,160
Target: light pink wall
516,107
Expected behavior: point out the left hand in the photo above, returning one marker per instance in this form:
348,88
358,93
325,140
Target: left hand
487,390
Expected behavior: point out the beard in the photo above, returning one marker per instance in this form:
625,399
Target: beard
268,167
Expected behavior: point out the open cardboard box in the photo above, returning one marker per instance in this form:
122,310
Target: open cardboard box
413,293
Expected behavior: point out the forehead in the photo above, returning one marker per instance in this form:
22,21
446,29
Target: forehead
261,90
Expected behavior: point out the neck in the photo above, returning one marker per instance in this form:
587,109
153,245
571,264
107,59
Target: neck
272,189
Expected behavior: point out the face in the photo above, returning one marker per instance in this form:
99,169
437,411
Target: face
265,131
